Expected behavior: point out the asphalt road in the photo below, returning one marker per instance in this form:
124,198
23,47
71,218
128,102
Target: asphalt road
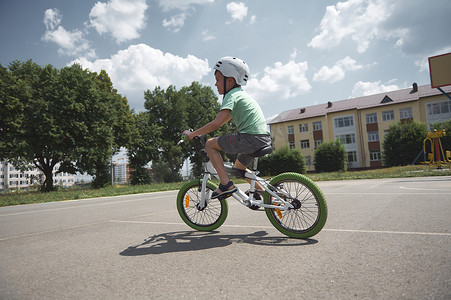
384,239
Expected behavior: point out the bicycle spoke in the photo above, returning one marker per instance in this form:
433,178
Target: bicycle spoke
201,217
302,218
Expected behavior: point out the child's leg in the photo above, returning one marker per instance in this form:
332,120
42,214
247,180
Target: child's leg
213,149
239,165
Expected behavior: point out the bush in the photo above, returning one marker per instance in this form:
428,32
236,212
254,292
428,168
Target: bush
282,160
139,175
162,173
403,142
330,157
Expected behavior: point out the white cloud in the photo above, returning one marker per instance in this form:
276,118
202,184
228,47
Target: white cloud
294,54
416,26
331,75
71,43
337,72
141,67
237,10
206,36
52,18
358,19
279,82
362,88
123,19
181,4
175,23
253,19
407,24
423,64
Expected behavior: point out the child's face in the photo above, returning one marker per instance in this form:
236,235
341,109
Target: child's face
219,82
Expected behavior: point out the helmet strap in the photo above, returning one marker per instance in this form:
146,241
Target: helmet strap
225,91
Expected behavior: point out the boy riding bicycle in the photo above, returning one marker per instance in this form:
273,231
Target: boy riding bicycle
231,73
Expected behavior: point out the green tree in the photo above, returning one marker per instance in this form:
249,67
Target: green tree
13,94
167,110
115,126
142,148
60,117
403,142
282,160
41,138
330,157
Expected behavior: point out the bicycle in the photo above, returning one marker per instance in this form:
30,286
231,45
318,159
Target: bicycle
293,203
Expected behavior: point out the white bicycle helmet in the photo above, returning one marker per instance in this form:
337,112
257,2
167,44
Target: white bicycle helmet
233,67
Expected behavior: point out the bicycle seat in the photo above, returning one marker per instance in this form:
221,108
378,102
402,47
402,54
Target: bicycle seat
263,151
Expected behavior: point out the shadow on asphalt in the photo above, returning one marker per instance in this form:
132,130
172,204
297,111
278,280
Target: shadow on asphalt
194,240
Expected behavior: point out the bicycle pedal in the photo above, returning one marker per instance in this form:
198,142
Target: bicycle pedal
223,197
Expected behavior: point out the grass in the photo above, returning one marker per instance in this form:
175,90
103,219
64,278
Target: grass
17,198
393,172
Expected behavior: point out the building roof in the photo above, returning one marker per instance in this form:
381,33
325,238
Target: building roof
377,100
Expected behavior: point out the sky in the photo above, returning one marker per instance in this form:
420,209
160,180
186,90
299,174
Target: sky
300,52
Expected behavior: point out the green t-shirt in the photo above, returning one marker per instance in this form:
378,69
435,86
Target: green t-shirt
245,111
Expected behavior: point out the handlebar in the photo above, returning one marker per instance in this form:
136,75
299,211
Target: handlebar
199,144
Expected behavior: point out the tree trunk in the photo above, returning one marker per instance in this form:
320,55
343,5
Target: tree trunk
46,166
47,186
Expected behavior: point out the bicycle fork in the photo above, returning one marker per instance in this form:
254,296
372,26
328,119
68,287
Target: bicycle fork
204,194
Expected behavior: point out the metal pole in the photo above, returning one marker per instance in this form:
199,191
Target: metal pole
444,93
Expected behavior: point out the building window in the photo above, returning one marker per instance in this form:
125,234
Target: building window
373,136
317,143
303,127
388,115
352,156
292,145
371,118
439,108
308,160
317,126
344,122
347,138
375,156
290,129
305,144
405,113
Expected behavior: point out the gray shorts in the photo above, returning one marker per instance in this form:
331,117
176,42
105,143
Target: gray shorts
244,144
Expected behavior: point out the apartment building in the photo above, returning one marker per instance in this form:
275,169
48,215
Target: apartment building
360,123
121,173
12,178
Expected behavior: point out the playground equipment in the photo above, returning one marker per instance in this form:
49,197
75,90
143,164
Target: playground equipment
436,155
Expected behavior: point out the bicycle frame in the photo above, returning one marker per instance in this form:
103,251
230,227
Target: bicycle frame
240,196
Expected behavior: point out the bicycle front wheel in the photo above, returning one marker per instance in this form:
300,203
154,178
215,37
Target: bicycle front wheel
207,218
309,214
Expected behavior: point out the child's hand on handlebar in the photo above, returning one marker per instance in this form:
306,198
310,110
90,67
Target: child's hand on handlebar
186,134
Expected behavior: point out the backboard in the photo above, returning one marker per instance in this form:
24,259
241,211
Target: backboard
440,70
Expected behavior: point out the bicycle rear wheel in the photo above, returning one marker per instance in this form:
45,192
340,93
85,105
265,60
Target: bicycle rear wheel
309,214
208,218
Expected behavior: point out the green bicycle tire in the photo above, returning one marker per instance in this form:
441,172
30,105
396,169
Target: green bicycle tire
309,218
208,219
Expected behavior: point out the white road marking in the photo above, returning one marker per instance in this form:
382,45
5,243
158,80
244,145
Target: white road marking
423,189
77,207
